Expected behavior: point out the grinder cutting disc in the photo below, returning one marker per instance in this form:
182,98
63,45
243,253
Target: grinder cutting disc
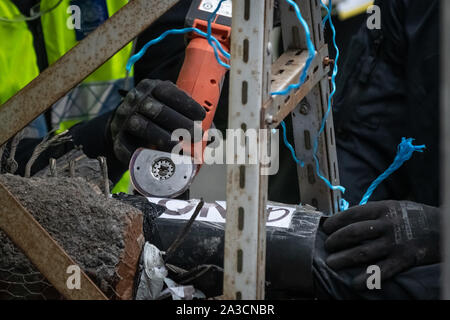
161,174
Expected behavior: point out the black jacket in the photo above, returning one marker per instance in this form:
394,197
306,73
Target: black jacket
389,89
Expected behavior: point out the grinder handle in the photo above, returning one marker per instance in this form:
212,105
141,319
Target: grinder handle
202,77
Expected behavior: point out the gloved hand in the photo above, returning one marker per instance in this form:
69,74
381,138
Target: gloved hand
149,115
394,235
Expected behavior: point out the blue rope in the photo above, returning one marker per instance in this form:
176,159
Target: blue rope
311,53
405,151
344,205
209,37
289,146
139,55
211,40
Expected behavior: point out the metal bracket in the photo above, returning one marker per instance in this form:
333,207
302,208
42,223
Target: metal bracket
286,71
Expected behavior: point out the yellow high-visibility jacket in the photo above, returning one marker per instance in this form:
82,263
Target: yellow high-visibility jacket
18,62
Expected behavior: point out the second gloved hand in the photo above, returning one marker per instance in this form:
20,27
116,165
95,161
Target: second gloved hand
149,115
394,235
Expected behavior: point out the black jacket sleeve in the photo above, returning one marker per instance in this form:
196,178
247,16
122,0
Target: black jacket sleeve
92,135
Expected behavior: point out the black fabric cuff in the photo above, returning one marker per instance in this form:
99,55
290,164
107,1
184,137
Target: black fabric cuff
92,135
95,138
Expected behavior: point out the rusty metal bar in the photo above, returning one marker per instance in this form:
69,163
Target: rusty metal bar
78,64
42,250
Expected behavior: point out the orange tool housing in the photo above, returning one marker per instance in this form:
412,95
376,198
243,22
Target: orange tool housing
202,76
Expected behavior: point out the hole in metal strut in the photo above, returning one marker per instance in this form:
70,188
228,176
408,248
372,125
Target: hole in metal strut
241,219
295,37
246,50
335,170
242,177
315,203
247,10
320,32
240,258
311,177
244,92
289,62
331,137
307,140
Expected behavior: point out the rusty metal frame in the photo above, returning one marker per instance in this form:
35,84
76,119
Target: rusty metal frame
48,257
39,95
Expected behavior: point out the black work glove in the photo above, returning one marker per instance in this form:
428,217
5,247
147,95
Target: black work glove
149,115
394,235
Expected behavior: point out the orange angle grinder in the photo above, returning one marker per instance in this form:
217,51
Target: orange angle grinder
154,173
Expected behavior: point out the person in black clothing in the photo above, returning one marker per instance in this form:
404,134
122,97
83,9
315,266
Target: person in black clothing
389,89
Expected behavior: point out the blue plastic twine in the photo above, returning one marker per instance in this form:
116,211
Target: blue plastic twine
311,53
217,46
344,205
209,37
289,146
405,151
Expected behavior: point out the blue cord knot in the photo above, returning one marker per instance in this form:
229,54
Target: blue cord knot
344,205
405,151
216,45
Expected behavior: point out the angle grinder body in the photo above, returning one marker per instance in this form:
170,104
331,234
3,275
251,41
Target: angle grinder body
168,175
